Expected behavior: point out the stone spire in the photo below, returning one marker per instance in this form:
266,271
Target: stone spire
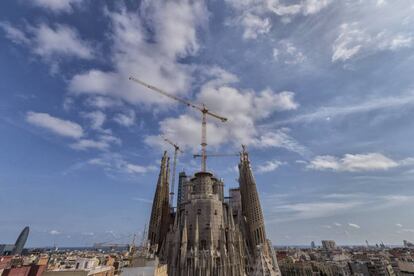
158,225
252,211
251,207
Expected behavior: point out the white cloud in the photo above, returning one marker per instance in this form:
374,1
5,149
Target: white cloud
315,6
288,53
381,3
56,125
399,41
113,162
49,42
358,107
97,119
61,40
102,102
126,119
307,7
187,130
143,200
253,15
242,117
399,225
353,162
14,34
152,57
54,232
85,144
349,42
269,166
355,40
353,225
254,25
332,206
103,142
280,139
312,210
57,5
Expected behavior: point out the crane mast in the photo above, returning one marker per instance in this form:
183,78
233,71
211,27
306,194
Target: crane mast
176,150
203,109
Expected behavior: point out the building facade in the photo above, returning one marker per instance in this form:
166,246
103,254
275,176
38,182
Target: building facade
208,234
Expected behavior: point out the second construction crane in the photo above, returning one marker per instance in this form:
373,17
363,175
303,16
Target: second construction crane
176,151
204,111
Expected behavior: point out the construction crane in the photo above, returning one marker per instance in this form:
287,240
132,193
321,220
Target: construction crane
176,150
203,109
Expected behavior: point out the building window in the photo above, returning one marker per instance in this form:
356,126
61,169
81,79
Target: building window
199,211
215,212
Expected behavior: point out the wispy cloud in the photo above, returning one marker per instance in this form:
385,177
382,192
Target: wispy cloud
311,210
54,232
254,16
126,119
354,39
174,33
288,53
353,163
143,200
49,42
57,6
56,125
269,166
113,162
353,225
331,112
326,206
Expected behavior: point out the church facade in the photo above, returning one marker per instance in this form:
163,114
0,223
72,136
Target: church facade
209,234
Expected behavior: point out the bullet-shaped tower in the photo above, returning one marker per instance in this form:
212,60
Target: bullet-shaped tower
160,213
258,244
21,241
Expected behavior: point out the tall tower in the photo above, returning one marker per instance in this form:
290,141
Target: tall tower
160,213
21,241
258,244
182,177
204,239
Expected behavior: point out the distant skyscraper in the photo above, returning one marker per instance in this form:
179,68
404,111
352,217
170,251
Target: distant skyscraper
21,241
313,245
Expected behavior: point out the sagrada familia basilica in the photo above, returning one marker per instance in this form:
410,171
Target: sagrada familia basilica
209,234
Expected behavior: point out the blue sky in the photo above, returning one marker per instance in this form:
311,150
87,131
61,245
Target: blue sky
320,91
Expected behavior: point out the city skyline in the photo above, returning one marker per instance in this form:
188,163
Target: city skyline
319,91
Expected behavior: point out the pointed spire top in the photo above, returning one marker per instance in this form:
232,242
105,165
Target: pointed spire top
244,155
